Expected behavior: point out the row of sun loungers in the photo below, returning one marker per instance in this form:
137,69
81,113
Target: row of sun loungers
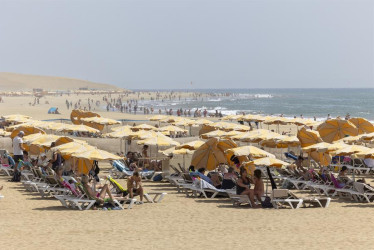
49,186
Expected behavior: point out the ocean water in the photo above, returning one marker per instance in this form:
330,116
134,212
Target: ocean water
290,102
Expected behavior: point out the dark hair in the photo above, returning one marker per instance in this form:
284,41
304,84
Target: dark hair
300,158
53,144
344,168
257,173
191,168
242,170
25,152
234,159
136,173
201,170
230,170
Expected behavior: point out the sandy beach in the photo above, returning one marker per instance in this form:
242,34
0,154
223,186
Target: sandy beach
31,222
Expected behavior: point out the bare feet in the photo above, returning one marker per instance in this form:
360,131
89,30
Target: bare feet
1,188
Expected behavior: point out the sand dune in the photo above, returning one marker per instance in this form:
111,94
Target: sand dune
14,81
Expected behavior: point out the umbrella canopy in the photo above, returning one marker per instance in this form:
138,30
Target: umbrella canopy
171,128
78,128
28,130
308,137
269,162
256,136
365,154
202,122
363,126
159,140
126,127
72,147
157,117
4,133
142,134
120,133
367,137
215,133
77,114
192,145
143,127
324,159
280,141
16,118
335,129
211,153
182,151
96,155
83,166
251,151
100,120
351,139
351,149
276,120
44,140
320,147
255,118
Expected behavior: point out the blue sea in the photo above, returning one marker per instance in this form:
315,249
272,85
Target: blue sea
290,102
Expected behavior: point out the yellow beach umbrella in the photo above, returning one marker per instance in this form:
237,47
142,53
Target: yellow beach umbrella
335,129
157,117
365,154
320,147
308,137
324,159
16,118
193,145
100,120
352,149
72,147
27,130
142,134
143,127
215,133
202,122
78,128
45,140
351,139
77,114
120,133
159,140
248,151
171,128
83,166
211,153
363,126
367,137
269,162
96,155
126,127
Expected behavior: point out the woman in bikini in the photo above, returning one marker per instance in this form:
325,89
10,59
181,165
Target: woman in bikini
243,186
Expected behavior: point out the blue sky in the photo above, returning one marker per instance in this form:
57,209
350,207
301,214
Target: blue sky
214,44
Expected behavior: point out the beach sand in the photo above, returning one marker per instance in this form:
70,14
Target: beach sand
28,221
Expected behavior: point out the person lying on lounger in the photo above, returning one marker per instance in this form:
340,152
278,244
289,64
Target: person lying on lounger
99,196
344,179
134,186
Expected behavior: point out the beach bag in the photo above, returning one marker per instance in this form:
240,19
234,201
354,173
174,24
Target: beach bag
16,176
267,203
157,177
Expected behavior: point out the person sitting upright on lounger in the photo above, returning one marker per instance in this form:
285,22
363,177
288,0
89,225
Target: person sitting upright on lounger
134,186
259,184
243,186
